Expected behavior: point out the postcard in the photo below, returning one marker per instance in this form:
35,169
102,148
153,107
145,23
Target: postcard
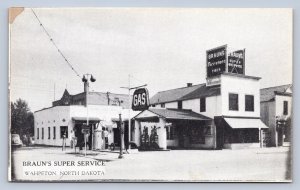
150,95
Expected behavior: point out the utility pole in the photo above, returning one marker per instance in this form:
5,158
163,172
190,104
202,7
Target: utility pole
85,80
129,101
121,136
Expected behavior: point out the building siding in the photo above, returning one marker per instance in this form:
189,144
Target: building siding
242,87
52,117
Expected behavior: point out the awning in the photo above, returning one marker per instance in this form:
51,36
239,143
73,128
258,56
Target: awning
84,118
242,123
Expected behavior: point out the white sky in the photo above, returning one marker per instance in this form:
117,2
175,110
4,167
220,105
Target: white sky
165,48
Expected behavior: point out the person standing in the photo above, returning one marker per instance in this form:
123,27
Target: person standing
64,141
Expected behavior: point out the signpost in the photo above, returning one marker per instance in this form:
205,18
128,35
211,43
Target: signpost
121,127
216,61
236,62
129,99
140,99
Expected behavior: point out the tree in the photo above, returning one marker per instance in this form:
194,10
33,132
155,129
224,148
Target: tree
22,120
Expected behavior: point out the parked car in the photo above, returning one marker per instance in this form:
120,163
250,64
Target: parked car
16,140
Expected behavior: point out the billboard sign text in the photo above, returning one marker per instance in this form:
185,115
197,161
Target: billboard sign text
216,61
236,62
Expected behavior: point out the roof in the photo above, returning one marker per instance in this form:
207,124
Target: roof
268,94
178,114
43,109
203,91
192,92
173,94
94,98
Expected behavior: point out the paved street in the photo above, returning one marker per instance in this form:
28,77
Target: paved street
267,164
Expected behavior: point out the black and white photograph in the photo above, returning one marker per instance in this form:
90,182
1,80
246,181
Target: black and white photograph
150,94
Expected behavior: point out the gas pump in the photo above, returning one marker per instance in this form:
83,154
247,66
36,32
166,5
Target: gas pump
154,138
145,138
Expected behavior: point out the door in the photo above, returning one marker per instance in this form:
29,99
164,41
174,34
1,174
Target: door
219,132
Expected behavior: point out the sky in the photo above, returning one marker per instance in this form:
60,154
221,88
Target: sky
164,48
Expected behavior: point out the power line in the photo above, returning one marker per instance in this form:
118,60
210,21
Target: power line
51,39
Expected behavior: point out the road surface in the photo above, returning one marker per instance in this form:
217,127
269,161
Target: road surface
266,164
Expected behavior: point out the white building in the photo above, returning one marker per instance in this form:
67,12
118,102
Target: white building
276,105
222,113
67,116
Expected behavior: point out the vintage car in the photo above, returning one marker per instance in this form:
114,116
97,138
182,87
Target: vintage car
16,140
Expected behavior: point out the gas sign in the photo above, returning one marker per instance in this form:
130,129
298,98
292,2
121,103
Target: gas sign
140,99
216,61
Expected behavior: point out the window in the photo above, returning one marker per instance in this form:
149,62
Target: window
202,104
244,136
38,133
197,135
208,130
249,103
233,102
63,131
285,107
49,132
170,133
42,133
54,132
162,105
179,104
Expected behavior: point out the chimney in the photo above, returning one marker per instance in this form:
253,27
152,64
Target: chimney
189,84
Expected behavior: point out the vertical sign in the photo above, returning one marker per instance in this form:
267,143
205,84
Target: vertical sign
216,61
236,62
140,100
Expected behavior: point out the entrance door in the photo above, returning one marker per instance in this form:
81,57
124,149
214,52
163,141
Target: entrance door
116,136
182,135
220,132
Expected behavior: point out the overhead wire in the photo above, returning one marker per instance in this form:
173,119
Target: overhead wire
51,39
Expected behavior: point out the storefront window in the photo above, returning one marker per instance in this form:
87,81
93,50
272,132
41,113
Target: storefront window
233,102
245,136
